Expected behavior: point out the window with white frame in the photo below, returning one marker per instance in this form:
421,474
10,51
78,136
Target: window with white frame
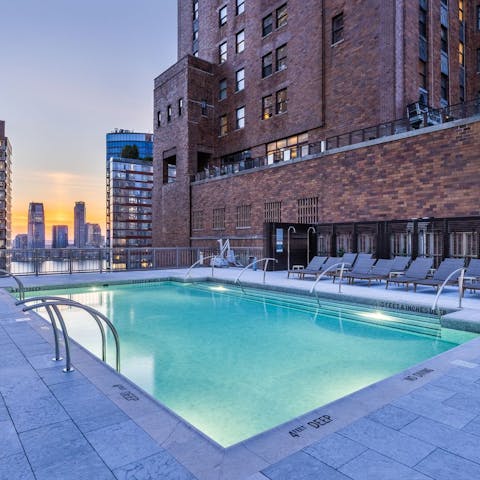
240,118
222,52
239,79
240,41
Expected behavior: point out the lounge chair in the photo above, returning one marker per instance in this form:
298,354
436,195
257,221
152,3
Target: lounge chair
472,276
417,270
447,267
313,267
400,264
349,259
380,271
362,267
329,263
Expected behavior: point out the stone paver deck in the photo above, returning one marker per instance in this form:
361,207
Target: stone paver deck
93,423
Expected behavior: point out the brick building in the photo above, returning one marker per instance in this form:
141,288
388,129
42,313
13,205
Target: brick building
248,122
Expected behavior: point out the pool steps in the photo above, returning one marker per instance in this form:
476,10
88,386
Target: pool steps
400,320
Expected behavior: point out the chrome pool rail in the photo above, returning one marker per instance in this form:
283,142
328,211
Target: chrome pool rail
329,269
21,287
266,260
460,289
51,304
198,262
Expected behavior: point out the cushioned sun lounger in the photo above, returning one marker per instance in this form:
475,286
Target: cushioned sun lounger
417,270
380,271
446,268
362,267
313,267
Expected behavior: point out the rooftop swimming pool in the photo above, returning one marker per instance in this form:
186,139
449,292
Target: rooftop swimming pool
235,364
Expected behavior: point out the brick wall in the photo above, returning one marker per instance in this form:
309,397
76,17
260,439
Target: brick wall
428,175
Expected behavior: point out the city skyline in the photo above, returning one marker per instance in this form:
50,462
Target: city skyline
67,86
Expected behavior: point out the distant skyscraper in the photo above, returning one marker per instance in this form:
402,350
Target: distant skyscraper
60,236
94,235
79,214
119,138
21,241
5,193
36,225
129,203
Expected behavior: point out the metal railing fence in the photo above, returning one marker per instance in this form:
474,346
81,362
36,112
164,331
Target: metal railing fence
77,260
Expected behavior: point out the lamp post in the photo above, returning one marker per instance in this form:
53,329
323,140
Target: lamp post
310,229
290,229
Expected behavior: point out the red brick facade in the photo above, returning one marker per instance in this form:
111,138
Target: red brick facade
367,77
433,174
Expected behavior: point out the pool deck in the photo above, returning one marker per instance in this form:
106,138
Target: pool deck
423,423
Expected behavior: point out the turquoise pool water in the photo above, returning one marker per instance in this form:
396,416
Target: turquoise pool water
234,365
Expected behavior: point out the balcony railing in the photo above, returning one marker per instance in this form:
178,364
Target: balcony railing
382,130
77,260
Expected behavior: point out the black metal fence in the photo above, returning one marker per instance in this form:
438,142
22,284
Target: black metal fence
382,130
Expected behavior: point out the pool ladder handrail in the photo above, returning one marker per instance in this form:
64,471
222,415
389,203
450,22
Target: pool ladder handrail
51,304
329,269
200,260
460,289
21,287
266,260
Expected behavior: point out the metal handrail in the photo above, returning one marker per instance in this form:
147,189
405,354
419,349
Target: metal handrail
329,269
55,302
460,288
21,287
266,260
201,261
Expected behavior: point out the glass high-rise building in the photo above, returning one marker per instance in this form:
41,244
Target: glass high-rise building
36,225
129,202
79,233
120,138
5,192
60,236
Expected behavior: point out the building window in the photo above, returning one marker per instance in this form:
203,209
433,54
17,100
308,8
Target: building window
239,79
240,7
222,52
180,107
422,71
223,122
273,212
282,16
478,18
307,210
222,89
267,107
169,113
240,118
478,60
444,87
267,25
281,57
444,40
240,41
203,106
281,101
195,10
222,16
422,23
267,64
243,216
197,220
159,118
461,53
170,169
461,15
219,218
337,28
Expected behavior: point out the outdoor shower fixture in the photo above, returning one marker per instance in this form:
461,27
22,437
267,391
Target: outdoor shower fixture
290,229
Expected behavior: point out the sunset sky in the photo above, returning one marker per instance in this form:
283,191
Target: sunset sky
69,73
